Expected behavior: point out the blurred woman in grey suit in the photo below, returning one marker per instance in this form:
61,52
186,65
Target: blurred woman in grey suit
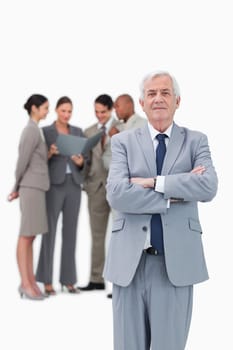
66,175
32,181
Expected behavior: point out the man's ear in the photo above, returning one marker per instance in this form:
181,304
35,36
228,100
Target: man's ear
177,102
141,101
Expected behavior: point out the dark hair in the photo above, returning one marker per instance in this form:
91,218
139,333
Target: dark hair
63,99
34,100
105,100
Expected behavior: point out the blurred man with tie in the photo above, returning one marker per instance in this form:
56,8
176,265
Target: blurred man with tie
158,175
94,185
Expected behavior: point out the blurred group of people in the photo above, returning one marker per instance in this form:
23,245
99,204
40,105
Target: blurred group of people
49,184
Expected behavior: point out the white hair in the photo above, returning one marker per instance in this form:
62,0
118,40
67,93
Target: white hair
155,74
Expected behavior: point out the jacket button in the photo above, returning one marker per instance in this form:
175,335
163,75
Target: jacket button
144,228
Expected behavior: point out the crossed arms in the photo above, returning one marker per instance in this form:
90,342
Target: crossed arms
131,194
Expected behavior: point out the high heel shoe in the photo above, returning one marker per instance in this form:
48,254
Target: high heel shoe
24,294
49,291
70,289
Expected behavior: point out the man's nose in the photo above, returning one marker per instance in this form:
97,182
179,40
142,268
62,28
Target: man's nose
158,97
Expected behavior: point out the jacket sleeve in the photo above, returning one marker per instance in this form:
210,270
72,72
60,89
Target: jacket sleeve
125,196
27,145
87,157
193,187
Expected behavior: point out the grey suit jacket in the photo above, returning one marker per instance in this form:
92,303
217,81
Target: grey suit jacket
97,173
32,169
57,163
133,156
134,122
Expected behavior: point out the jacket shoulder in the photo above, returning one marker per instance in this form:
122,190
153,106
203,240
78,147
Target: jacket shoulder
48,128
91,129
191,133
125,136
30,130
75,130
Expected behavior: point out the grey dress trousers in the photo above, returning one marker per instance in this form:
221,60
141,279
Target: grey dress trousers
63,197
151,313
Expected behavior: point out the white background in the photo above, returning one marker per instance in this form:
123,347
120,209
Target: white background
83,49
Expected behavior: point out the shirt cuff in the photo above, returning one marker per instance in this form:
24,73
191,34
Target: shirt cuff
160,180
159,187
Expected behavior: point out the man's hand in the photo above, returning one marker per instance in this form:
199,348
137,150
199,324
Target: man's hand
199,170
146,182
113,131
78,160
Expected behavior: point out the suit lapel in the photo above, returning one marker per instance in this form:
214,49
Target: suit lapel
97,149
173,148
72,130
146,144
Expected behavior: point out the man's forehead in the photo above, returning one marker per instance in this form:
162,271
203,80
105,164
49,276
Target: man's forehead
160,81
101,108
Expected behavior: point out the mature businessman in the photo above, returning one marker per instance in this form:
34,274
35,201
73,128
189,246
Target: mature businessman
158,175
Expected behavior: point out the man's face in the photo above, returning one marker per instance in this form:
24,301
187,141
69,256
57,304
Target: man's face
102,113
121,108
160,102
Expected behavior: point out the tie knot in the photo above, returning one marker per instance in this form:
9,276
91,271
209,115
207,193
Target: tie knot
161,137
103,128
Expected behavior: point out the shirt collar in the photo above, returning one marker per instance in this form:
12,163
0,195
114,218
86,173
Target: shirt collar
154,132
107,125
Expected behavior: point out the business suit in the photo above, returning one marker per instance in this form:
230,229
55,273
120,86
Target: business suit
64,196
98,206
32,179
184,262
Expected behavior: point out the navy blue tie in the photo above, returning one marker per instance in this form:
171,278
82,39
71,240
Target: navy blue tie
156,238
